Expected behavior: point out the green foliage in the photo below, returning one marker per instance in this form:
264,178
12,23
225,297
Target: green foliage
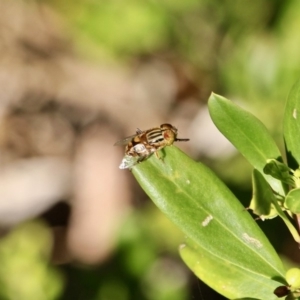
220,232
118,28
250,54
279,171
25,272
225,247
263,199
246,133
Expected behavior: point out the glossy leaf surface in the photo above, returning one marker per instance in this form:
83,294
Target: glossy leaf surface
247,134
214,220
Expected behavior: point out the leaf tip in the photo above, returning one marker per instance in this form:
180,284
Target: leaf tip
213,96
216,98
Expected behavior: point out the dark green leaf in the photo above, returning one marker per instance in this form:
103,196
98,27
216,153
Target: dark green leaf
279,171
263,197
211,217
247,134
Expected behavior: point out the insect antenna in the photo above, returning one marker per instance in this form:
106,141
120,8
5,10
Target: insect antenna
181,140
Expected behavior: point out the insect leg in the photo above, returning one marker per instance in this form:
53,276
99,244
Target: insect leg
159,157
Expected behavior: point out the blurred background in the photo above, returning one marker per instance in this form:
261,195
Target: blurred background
76,76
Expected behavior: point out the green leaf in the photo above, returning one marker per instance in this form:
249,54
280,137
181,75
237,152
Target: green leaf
291,126
211,217
292,201
247,134
263,197
279,171
229,280
282,172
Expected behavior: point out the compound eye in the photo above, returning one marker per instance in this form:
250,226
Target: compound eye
166,135
167,126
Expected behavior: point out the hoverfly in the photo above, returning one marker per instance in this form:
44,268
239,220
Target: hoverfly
144,143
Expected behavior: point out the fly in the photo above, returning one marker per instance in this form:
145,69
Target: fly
144,143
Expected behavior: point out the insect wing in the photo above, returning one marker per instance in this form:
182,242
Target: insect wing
144,143
128,162
125,141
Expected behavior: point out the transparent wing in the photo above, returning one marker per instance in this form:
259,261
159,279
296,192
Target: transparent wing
128,162
124,141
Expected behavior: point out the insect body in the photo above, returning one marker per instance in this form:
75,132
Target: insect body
141,145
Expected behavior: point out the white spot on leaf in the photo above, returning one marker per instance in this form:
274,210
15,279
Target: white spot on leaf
252,240
182,246
295,113
207,220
